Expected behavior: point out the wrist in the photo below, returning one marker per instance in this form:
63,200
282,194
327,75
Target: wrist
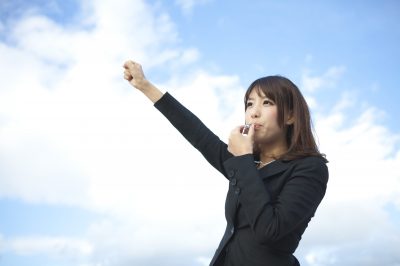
151,91
144,86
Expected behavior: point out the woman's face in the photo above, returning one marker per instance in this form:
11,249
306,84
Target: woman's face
263,113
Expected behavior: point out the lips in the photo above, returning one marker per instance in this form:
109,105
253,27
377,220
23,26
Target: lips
257,126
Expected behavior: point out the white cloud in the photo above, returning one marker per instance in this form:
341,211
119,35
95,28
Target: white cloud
312,83
364,178
52,246
188,5
63,98
74,132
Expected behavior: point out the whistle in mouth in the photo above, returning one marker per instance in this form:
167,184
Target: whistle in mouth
245,129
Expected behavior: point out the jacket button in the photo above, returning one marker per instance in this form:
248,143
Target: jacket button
231,173
233,181
237,191
232,230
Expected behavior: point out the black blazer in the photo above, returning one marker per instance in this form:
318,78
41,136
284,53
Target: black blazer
268,209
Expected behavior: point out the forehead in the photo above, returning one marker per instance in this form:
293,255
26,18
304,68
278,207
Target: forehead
256,93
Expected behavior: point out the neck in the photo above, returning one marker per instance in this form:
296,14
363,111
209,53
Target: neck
269,153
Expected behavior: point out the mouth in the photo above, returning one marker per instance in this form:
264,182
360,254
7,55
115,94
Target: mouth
257,126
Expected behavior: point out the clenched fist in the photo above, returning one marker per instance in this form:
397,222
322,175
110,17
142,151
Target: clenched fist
134,74
240,144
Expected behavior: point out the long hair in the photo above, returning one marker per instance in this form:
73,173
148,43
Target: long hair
290,103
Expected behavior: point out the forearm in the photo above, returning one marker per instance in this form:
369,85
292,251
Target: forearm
151,92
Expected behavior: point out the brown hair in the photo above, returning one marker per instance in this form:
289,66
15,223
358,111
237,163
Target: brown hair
290,103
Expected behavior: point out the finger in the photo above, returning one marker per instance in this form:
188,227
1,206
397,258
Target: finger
128,77
236,130
129,64
250,133
245,129
126,64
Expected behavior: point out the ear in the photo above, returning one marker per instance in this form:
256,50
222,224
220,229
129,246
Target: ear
290,120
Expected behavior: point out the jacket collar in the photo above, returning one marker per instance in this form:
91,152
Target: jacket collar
274,168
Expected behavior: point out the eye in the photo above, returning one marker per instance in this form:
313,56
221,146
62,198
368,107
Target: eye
249,104
268,102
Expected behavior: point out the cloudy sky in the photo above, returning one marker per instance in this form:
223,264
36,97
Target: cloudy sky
91,174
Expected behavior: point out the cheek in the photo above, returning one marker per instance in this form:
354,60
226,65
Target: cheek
247,117
272,117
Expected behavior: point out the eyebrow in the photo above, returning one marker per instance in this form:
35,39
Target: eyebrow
262,97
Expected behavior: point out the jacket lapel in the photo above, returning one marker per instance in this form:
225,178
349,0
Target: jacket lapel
274,168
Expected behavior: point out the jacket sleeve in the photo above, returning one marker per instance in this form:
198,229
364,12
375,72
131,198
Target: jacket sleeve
193,129
272,219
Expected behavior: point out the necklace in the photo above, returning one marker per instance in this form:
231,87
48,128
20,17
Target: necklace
262,164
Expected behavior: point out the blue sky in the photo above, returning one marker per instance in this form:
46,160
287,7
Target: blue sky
286,37
85,159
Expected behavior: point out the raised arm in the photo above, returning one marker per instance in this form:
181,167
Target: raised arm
190,126
134,74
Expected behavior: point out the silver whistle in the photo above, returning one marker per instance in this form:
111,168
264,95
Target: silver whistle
245,129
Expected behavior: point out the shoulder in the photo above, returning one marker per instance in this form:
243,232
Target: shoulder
310,160
311,166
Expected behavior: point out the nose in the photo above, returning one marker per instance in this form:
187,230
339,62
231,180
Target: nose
255,112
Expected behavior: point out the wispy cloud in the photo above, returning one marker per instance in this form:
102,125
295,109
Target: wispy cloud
187,6
312,83
49,246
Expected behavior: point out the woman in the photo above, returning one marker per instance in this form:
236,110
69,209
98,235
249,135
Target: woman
277,177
